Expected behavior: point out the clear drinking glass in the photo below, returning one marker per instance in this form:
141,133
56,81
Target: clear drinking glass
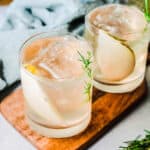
144,5
119,35
57,85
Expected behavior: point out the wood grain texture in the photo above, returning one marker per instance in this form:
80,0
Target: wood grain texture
106,109
5,2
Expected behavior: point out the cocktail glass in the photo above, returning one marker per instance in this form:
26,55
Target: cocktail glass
57,95
119,53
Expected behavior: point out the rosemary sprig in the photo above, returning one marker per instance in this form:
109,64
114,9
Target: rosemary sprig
147,10
86,64
87,90
138,143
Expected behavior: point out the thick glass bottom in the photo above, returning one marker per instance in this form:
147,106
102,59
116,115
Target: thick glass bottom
120,88
59,132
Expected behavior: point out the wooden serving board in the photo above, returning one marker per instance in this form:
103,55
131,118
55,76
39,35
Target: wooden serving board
5,2
106,109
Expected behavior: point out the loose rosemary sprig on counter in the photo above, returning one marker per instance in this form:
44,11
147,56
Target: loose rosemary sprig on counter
138,144
86,64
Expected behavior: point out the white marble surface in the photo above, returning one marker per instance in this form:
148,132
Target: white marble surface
131,126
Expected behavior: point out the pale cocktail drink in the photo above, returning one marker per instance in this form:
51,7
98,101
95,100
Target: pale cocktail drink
56,84
119,35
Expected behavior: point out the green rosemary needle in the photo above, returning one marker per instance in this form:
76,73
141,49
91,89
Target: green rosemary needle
138,143
86,64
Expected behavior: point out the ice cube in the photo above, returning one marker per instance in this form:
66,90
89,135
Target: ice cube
124,20
60,58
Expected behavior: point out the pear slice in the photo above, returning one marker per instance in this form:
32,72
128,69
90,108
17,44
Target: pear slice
39,101
115,60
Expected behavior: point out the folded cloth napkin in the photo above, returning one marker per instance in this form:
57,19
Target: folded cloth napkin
26,17
30,14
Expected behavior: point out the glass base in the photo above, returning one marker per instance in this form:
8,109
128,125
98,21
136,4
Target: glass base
121,88
59,133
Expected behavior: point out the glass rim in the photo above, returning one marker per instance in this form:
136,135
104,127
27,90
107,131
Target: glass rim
88,23
42,35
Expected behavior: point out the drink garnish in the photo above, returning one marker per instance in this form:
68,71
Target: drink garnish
86,64
114,58
147,10
138,144
31,68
